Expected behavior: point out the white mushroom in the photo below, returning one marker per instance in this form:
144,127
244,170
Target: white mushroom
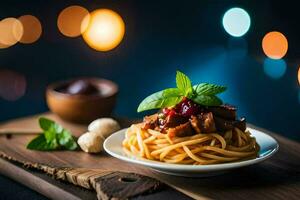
98,130
104,126
90,142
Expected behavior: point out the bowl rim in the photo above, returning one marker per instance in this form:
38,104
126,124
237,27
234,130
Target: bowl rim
51,88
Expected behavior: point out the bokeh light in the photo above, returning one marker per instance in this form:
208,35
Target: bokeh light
274,68
236,22
11,31
3,46
32,29
275,45
12,85
73,20
105,31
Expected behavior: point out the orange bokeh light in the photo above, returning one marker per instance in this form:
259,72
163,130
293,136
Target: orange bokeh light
11,31
275,45
32,29
73,20
105,30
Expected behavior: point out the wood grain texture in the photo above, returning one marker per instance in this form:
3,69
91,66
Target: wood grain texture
41,184
107,184
276,178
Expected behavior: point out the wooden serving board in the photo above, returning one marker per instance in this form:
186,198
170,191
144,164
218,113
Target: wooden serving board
277,178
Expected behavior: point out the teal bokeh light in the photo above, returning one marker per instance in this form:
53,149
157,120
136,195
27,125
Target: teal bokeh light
274,68
236,22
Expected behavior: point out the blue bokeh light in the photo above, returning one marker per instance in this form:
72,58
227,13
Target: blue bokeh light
274,68
236,22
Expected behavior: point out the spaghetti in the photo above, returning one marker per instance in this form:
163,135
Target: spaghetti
199,149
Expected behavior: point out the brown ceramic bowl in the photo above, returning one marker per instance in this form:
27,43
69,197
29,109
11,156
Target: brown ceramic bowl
82,108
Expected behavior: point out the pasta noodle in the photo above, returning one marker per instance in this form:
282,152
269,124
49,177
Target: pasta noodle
199,149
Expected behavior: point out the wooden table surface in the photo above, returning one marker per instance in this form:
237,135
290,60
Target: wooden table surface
276,178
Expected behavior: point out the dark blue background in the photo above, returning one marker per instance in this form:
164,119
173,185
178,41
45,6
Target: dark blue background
161,37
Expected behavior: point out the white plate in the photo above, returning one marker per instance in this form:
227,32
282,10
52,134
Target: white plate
268,145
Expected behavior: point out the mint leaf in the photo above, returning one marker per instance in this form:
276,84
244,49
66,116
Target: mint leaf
161,99
71,145
57,128
204,94
54,137
40,143
172,92
50,135
49,125
207,100
208,89
45,123
64,137
184,83
37,142
53,145
66,140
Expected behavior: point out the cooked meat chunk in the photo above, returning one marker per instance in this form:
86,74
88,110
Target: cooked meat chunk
241,124
224,111
150,122
208,123
174,120
217,118
203,123
181,130
195,122
225,125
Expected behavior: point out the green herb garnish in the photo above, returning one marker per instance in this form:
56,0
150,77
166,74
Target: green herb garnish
203,94
54,137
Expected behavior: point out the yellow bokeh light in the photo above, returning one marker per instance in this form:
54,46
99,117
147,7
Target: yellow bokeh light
275,45
32,29
105,31
73,21
11,31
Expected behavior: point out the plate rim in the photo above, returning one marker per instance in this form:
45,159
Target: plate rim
190,168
